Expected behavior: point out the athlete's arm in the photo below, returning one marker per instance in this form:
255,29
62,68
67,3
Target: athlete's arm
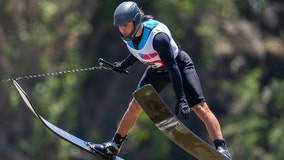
128,61
161,44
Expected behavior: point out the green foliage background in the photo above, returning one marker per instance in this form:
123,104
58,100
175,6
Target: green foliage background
237,47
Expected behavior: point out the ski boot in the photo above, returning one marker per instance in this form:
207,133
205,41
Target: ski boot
222,148
109,149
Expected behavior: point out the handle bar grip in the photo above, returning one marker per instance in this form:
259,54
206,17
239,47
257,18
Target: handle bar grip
110,64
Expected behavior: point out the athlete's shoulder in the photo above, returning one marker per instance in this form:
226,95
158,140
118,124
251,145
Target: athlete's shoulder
151,23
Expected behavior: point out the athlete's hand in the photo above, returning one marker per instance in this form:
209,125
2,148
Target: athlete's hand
117,67
182,106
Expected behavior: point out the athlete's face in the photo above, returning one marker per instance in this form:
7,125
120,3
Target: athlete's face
126,29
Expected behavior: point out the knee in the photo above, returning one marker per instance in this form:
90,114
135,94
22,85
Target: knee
202,109
134,108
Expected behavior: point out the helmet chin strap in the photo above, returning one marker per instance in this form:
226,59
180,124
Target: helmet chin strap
130,36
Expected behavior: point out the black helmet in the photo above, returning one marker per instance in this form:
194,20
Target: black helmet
125,13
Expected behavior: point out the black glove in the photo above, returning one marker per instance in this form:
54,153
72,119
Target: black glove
183,107
117,67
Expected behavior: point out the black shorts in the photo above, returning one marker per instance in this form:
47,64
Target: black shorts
191,83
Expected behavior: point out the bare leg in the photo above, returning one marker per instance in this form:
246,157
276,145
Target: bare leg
212,124
129,118
213,127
